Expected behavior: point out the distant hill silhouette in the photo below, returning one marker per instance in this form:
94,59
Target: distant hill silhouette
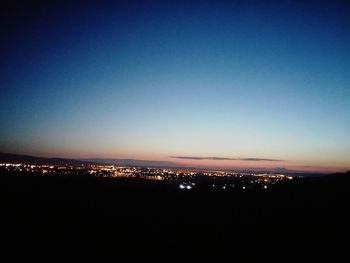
338,176
27,159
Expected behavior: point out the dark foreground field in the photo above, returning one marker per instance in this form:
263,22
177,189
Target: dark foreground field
90,216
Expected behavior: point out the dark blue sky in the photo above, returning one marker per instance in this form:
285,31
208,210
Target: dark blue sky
151,80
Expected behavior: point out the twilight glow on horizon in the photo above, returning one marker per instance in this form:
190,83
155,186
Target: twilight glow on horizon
207,83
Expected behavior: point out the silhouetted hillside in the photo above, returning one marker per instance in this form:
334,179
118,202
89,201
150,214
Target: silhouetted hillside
338,176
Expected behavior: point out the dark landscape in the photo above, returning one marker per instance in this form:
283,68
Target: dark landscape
70,213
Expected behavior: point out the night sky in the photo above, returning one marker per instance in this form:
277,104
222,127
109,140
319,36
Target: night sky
215,84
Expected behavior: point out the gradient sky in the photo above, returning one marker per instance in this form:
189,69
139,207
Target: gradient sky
155,81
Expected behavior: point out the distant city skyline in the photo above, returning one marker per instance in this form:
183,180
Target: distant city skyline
200,83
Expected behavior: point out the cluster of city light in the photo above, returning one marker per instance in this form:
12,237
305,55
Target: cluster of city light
63,169
185,178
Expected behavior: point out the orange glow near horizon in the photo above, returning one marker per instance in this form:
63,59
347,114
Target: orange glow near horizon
292,166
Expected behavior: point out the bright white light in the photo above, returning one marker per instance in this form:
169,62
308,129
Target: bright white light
265,186
188,187
243,187
224,187
182,186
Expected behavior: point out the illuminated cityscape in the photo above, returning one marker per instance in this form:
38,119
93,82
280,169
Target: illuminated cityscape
221,180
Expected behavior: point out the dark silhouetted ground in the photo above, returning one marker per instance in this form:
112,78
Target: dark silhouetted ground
96,216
